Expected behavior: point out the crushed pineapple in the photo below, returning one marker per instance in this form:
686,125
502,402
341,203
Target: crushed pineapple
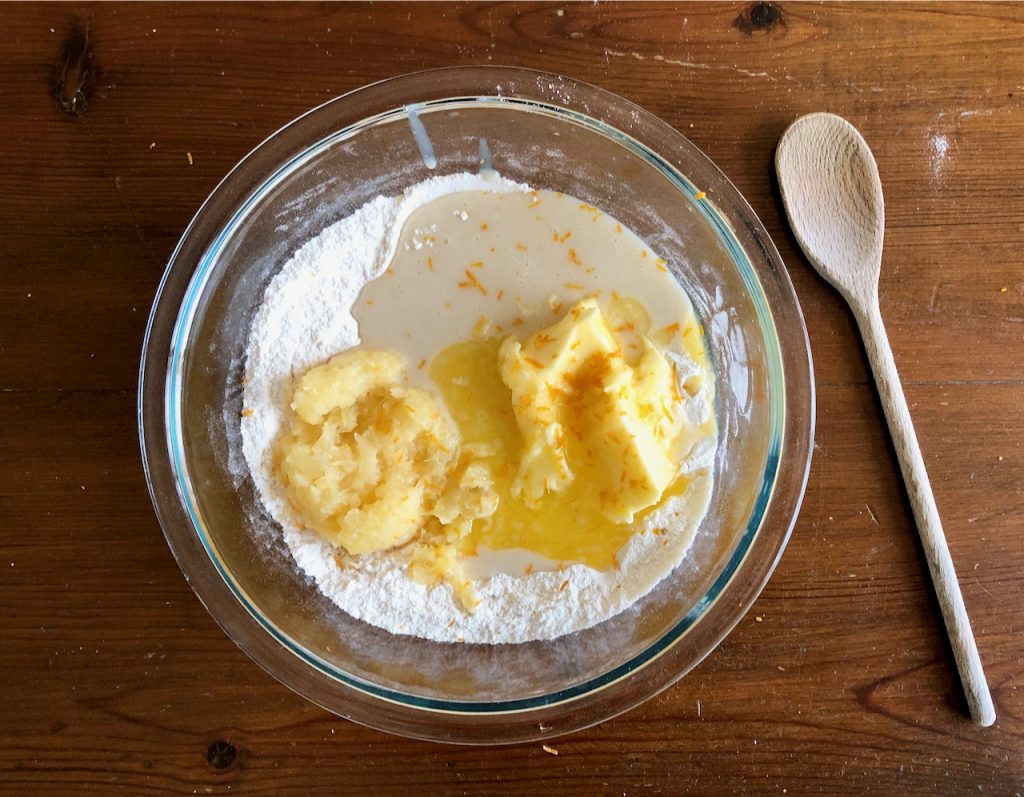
368,460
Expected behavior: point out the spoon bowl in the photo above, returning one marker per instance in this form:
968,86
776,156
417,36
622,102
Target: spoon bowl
833,195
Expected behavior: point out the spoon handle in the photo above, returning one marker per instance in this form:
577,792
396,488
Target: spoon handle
929,526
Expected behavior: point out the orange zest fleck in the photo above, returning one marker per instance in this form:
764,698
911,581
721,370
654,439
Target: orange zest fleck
421,364
501,293
430,263
483,226
699,195
563,585
477,264
533,362
438,443
517,322
671,328
574,286
565,237
543,339
574,258
521,246
473,282
247,413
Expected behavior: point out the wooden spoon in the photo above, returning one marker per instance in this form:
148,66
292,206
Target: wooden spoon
833,197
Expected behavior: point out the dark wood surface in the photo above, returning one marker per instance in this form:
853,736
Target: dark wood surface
115,123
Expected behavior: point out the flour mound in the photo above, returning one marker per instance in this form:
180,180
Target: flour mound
304,319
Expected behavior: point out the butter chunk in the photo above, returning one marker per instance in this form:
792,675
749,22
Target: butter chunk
585,412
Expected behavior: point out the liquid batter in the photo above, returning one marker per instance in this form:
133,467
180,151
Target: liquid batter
498,264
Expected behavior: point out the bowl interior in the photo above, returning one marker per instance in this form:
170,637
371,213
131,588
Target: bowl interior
549,146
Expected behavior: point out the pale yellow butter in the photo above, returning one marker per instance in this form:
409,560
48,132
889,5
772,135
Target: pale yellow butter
586,409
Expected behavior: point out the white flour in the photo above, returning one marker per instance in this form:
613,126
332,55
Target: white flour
304,319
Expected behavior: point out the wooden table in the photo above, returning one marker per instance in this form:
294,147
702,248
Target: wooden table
115,123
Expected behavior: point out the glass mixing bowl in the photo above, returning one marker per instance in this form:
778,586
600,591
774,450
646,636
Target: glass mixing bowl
553,133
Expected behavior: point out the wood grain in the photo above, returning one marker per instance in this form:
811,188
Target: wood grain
113,679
